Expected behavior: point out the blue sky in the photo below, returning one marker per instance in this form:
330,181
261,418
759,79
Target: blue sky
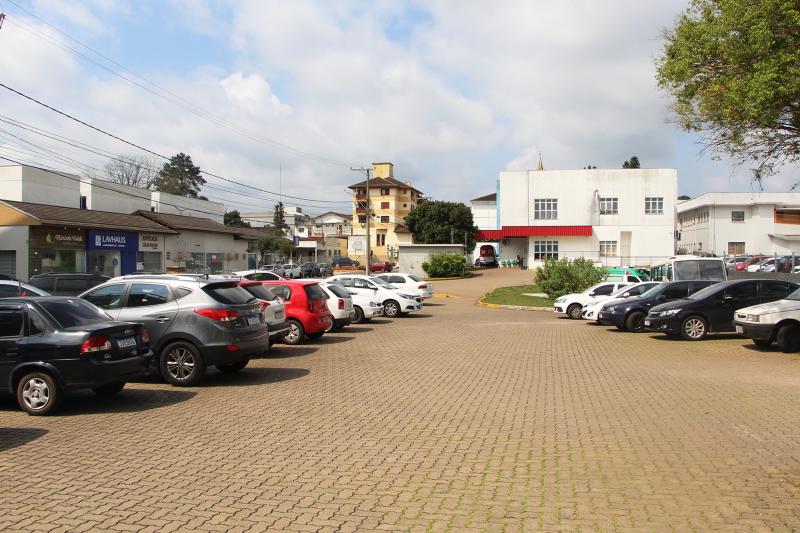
451,92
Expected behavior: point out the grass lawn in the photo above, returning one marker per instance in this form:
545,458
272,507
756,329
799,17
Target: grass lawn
516,296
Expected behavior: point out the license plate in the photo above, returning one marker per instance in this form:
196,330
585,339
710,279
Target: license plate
253,320
128,342
739,329
646,322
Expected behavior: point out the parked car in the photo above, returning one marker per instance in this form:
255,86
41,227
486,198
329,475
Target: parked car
381,266
365,306
765,265
325,269
276,269
306,309
712,309
788,263
273,308
734,261
292,271
591,309
571,305
395,301
66,284
777,322
193,322
340,304
7,276
50,345
752,260
629,314
10,289
310,270
487,256
626,275
410,282
346,262
258,275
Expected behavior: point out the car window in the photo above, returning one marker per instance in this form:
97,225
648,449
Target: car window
11,321
261,292
383,283
359,283
632,279
315,292
603,290
266,276
181,292
146,294
396,279
76,285
46,283
676,290
7,290
71,312
748,289
108,297
775,290
339,291
415,277
281,290
228,293
36,325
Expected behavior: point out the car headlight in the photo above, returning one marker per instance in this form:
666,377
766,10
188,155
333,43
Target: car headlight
560,300
611,309
669,312
753,318
374,304
406,296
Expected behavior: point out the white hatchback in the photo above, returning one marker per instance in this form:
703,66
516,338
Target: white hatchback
292,271
340,304
411,282
591,309
395,301
572,304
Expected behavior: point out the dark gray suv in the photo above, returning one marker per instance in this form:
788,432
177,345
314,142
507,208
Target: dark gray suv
193,322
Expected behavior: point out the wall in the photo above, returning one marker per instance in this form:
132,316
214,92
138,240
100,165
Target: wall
28,184
412,256
191,207
16,238
104,195
484,214
179,248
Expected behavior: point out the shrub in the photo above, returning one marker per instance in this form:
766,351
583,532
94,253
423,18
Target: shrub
449,265
557,278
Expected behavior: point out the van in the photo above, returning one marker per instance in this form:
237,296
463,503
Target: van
626,275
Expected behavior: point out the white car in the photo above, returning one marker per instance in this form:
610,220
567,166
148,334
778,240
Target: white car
767,265
395,301
777,322
292,271
276,269
571,305
591,309
340,304
258,275
410,282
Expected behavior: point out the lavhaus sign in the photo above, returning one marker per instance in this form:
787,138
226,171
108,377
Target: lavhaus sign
113,240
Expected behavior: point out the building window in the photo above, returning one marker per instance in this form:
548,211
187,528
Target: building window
736,248
384,205
405,205
385,219
609,206
543,250
361,192
384,192
405,191
362,219
380,239
654,205
83,202
545,208
737,216
608,248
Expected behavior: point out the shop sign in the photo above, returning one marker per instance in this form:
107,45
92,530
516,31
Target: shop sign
56,237
357,243
112,240
150,242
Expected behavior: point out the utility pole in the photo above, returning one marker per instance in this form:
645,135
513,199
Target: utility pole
366,172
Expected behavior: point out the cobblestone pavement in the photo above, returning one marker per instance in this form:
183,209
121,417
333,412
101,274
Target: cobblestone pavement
458,419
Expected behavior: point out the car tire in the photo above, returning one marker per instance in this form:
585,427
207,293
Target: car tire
635,321
788,338
359,318
694,328
106,391
391,309
38,393
181,364
574,311
762,343
315,336
296,333
233,367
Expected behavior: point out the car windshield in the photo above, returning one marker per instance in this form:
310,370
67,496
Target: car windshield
699,269
288,266
415,277
383,283
656,289
261,292
705,293
72,312
338,290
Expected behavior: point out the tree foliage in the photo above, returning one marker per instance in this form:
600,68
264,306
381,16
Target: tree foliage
633,162
279,217
733,67
274,243
234,218
181,177
563,276
440,222
449,265
133,170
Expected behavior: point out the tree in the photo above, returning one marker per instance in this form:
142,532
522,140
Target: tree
633,162
273,243
181,177
133,170
440,222
733,67
279,218
234,218
684,197
589,167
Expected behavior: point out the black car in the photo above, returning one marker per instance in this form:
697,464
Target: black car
324,270
629,315
343,262
711,310
66,283
51,344
310,270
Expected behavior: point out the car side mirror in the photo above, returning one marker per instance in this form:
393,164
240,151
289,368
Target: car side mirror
591,293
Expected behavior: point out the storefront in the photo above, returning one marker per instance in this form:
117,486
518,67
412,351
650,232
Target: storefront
54,249
112,253
150,256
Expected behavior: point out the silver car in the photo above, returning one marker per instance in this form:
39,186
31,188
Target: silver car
273,307
13,289
193,322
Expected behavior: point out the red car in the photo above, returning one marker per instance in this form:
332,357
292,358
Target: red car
306,308
381,266
754,260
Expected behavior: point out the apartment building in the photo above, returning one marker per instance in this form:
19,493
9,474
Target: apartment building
733,223
613,216
390,201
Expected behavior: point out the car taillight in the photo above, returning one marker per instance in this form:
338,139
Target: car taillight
96,344
423,286
144,336
341,303
263,303
220,315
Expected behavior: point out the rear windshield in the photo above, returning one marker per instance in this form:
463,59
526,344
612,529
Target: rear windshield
383,283
341,292
261,292
230,294
699,269
315,292
73,312
415,277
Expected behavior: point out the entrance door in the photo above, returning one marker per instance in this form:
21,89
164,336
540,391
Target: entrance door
8,262
106,263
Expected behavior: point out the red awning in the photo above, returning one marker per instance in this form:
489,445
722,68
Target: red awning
533,231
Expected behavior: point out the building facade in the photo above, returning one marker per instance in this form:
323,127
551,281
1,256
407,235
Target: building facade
390,202
612,216
484,216
734,223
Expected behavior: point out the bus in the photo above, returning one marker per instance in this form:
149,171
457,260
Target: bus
689,267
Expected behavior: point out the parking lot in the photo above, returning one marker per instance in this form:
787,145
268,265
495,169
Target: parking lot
457,418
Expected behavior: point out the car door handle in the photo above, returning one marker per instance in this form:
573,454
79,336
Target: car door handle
162,319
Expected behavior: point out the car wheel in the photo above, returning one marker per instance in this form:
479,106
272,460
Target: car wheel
317,335
181,364
359,316
694,328
296,333
574,311
391,308
233,367
788,338
109,390
762,343
635,321
38,393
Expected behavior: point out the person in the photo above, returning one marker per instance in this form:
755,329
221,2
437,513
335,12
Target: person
519,261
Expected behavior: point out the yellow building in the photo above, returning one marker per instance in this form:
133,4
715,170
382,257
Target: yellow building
390,202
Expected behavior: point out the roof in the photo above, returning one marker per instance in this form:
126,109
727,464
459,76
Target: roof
182,222
400,228
488,198
53,215
384,182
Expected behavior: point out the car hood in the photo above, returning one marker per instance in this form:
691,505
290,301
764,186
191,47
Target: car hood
780,306
674,304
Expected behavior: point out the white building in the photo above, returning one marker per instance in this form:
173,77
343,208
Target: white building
484,215
614,216
332,223
731,223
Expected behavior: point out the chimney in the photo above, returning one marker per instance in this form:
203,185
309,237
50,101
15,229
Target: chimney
382,170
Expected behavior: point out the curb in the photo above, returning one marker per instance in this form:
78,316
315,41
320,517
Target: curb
442,295
447,279
481,303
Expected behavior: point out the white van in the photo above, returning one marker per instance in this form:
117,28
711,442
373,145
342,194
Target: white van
395,301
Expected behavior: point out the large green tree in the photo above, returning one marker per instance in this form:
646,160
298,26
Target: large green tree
272,243
733,67
234,218
633,162
442,223
279,217
180,176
